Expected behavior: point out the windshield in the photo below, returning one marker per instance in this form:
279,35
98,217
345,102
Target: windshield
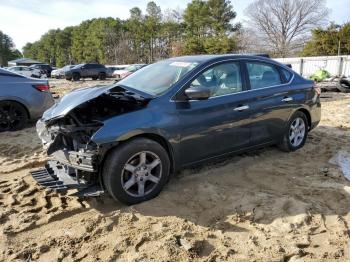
78,66
157,78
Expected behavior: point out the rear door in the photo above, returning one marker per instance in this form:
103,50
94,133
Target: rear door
271,101
219,124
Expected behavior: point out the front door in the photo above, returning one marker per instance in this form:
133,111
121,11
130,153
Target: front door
219,124
85,70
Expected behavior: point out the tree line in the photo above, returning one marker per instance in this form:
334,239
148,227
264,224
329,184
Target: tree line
280,28
204,27
7,49
333,40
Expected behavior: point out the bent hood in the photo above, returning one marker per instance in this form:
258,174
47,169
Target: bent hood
79,96
71,100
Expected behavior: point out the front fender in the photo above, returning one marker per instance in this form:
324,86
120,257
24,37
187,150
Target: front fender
126,126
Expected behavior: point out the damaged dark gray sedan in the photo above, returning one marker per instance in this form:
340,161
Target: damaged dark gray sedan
126,139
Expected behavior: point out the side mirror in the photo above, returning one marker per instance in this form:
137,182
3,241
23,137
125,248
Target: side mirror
198,93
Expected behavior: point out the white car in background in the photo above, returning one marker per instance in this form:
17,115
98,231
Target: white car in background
25,71
112,68
60,72
120,74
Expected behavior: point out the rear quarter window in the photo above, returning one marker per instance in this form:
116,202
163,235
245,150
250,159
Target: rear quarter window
287,75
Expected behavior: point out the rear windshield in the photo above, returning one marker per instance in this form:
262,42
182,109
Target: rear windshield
7,73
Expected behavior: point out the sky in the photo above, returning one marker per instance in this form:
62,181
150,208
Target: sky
26,20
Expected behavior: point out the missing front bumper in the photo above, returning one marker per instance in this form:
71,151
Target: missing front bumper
61,178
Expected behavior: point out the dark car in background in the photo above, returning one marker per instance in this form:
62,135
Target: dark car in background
21,99
127,138
91,70
44,68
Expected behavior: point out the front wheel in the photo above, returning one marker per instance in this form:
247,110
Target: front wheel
102,76
76,77
136,171
296,133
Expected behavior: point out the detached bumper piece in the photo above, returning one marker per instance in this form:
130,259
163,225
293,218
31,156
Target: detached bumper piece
60,178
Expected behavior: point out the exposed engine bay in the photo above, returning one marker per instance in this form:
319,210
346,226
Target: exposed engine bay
74,130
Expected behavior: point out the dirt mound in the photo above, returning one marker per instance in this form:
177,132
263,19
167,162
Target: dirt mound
20,150
26,206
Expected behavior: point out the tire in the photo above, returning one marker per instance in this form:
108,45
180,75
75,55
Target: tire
289,143
123,171
76,77
343,86
94,78
13,116
102,76
68,78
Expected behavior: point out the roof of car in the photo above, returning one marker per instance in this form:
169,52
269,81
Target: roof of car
206,58
5,72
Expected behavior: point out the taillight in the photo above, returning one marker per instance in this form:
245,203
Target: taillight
317,88
42,88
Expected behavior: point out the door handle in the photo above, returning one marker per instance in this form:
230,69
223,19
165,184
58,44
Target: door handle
241,108
287,99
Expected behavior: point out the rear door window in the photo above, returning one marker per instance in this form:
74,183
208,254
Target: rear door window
262,75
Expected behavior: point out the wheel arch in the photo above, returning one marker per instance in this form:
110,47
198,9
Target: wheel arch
307,114
152,136
18,102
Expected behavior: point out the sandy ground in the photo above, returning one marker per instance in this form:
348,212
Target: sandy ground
262,206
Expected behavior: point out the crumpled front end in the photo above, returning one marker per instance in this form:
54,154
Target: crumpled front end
67,138
75,163
70,144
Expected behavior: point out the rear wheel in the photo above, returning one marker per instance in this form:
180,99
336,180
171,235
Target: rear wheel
136,171
296,133
102,76
13,116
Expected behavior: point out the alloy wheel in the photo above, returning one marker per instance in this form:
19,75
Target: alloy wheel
141,173
297,132
11,116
